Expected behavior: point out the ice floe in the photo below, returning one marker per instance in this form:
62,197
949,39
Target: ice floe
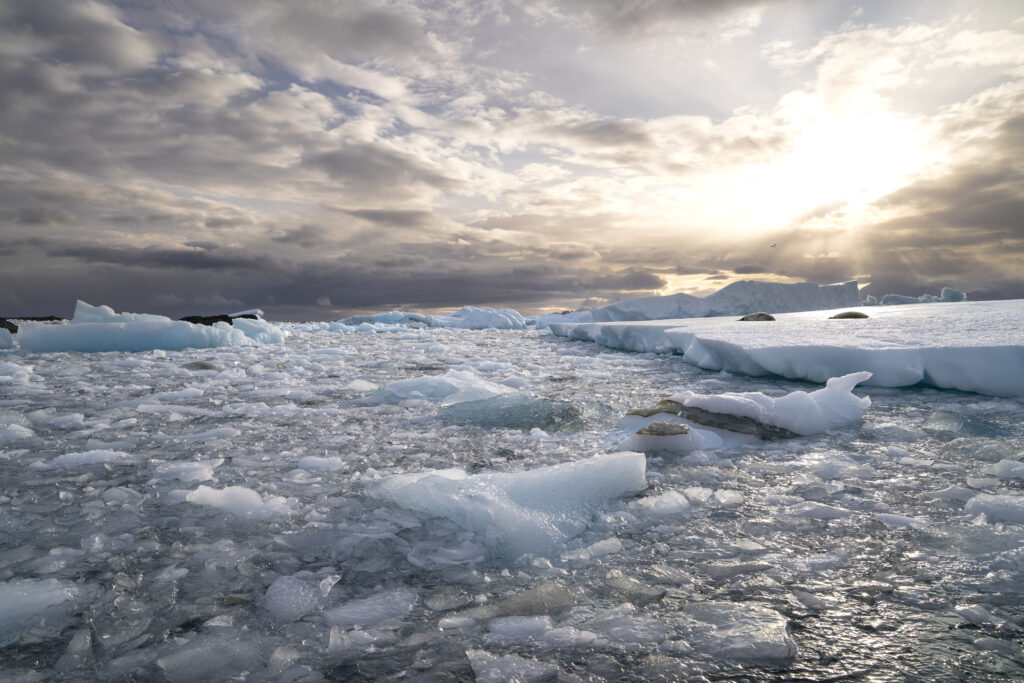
975,346
99,328
535,511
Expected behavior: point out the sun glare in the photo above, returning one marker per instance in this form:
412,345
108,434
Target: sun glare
846,160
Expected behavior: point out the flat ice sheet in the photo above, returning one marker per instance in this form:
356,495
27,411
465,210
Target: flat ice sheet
977,346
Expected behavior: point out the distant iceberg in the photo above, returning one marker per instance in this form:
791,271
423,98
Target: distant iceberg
947,295
738,298
474,318
466,318
100,328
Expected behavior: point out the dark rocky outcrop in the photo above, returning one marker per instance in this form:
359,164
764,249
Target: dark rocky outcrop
207,319
664,406
664,429
6,324
758,317
732,423
736,423
848,315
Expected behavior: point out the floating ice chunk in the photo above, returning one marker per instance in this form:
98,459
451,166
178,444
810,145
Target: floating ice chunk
981,616
609,546
740,633
290,598
798,412
13,373
523,512
361,385
813,510
901,521
668,503
390,604
14,432
21,599
241,502
891,431
1006,469
188,471
315,463
95,457
473,318
516,411
349,643
490,668
99,328
6,339
519,628
211,658
997,508
727,498
455,386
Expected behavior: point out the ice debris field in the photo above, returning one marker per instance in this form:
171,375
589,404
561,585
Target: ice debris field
393,497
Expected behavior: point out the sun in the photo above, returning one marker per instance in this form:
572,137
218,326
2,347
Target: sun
845,160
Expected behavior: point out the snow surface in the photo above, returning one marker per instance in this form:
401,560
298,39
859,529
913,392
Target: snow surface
99,328
260,512
968,346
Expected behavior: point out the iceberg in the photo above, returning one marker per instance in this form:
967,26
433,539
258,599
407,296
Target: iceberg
738,298
466,318
535,511
99,328
948,295
484,318
976,346
455,386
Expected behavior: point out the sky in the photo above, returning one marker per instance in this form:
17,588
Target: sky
320,158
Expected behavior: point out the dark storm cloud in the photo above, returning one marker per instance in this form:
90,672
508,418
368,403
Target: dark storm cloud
606,133
188,259
86,33
306,236
43,215
748,268
632,17
370,167
393,217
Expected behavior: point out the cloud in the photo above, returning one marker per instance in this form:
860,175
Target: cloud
642,17
377,153
87,33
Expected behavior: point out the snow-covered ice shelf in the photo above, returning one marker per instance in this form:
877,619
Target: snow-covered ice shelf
977,346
